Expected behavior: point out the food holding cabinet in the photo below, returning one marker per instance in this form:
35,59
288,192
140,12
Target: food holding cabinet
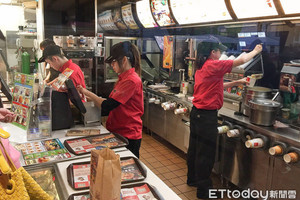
46,175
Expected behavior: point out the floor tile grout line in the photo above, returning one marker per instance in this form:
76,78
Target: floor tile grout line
163,169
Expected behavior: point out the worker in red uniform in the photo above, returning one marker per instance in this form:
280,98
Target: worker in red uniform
53,55
60,100
125,103
208,99
52,74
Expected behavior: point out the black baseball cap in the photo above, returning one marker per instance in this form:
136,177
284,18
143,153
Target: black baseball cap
50,50
119,50
206,47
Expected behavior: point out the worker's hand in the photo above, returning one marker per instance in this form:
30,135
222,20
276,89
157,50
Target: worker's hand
242,81
6,115
51,82
81,90
258,48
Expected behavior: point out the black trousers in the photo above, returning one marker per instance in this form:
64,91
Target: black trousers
134,146
202,148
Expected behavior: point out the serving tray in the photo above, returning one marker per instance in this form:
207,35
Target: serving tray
85,145
78,174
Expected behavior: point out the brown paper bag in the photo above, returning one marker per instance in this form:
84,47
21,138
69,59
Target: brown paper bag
105,183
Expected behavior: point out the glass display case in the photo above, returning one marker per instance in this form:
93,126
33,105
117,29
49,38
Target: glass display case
47,177
4,68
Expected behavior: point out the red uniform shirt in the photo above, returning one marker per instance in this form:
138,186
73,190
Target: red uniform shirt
126,118
208,89
77,76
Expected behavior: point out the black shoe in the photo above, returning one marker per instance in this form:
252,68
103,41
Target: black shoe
191,182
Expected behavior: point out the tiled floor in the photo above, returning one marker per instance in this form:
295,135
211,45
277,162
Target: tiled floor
169,164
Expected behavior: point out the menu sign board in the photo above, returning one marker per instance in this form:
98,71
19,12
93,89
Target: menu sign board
117,17
191,11
22,96
253,8
43,151
161,12
290,6
127,15
106,21
144,14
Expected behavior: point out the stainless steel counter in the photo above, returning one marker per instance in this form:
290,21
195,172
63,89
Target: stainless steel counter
288,135
171,126
164,191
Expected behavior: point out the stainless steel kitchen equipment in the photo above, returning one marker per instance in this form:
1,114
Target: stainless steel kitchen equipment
254,93
235,158
81,50
255,168
263,111
163,121
85,60
156,115
177,126
92,117
234,97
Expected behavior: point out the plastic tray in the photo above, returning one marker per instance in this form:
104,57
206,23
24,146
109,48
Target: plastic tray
87,195
75,184
84,145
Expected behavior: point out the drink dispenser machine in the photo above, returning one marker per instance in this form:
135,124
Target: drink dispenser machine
290,90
